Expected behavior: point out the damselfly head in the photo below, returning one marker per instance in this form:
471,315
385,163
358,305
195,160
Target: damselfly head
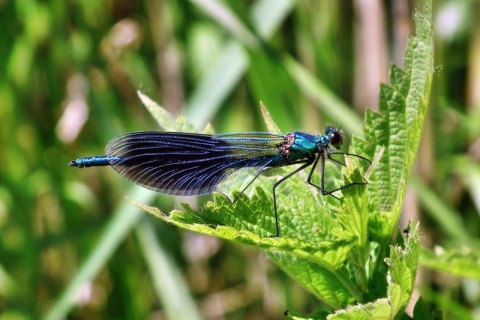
335,136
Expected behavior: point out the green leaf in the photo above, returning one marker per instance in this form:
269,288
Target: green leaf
308,249
459,263
397,127
402,268
333,286
379,309
253,227
165,120
271,125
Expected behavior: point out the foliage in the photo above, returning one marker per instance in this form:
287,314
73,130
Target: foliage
72,246
334,262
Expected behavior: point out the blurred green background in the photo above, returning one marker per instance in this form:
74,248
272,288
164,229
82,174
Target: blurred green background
68,80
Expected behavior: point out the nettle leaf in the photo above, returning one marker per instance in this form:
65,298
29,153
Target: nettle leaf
314,316
334,286
397,128
252,222
402,268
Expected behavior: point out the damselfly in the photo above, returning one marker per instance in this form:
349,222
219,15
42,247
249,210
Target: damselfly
189,164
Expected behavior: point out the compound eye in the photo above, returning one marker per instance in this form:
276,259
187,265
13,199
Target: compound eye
335,138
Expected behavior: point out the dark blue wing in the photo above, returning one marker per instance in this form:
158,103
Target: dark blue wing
192,164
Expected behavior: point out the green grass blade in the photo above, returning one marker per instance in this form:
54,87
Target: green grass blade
167,280
323,97
446,217
232,63
121,224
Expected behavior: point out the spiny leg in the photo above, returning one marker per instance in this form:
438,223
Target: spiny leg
350,184
265,168
335,160
303,166
347,154
330,192
322,173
